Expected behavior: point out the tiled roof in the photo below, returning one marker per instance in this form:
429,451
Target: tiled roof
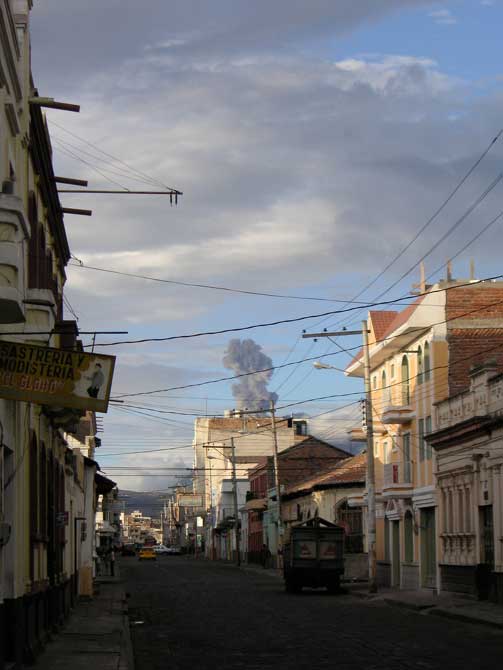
386,322
381,321
403,317
350,470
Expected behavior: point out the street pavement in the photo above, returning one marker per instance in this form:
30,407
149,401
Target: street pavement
188,613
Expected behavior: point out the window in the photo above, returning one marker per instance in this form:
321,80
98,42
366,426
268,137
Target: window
300,428
386,452
392,371
421,442
427,430
408,528
426,364
376,448
374,382
406,458
352,521
405,381
419,365
386,390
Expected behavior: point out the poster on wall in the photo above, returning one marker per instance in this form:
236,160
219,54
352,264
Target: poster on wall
48,376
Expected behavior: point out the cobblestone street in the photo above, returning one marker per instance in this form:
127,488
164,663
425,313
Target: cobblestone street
187,613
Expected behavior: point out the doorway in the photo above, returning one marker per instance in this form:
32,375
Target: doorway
396,553
428,549
487,528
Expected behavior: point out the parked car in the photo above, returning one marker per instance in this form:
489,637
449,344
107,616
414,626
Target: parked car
174,550
147,554
161,549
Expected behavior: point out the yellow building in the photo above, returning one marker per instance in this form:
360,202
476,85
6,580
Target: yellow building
419,357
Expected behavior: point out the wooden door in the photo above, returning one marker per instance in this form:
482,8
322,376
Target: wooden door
428,548
396,553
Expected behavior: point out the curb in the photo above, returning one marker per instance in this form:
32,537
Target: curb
466,618
415,607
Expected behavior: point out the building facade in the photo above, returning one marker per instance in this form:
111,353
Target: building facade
468,444
418,358
45,493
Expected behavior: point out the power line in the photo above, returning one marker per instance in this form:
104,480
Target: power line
245,374
212,287
291,320
109,155
427,223
433,216
455,225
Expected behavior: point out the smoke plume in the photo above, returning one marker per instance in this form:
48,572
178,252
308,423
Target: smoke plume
250,392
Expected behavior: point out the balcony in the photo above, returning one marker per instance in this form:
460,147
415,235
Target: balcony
397,474
398,414
13,231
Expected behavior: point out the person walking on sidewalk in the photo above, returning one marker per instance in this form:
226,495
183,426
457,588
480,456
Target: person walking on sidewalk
112,562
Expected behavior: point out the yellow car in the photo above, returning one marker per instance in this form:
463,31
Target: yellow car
147,554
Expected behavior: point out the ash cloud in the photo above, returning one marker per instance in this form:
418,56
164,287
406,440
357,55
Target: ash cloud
251,392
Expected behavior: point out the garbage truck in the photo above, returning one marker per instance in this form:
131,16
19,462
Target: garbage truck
313,555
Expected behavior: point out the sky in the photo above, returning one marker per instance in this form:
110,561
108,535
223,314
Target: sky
311,141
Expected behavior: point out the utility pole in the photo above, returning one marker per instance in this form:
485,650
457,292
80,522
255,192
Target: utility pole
371,480
235,495
371,488
279,525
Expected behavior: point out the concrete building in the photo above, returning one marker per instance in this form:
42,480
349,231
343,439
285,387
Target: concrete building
418,358
253,439
468,444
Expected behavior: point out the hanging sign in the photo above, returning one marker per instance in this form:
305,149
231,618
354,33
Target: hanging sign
47,376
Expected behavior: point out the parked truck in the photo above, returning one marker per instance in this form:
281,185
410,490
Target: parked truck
313,555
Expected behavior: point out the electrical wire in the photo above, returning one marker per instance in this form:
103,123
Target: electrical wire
433,216
171,338
213,287
357,348
109,155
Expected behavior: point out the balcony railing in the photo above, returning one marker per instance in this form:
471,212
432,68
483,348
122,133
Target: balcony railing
397,473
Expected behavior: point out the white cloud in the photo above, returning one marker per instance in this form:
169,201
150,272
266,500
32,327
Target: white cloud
298,171
443,17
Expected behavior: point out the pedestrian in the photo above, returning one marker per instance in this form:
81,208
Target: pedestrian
265,555
112,562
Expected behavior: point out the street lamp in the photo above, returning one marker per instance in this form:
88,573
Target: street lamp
323,366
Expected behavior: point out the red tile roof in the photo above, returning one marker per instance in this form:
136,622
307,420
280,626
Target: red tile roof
386,322
403,317
350,470
381,321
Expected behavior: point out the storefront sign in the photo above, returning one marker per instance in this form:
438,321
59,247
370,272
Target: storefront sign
48,376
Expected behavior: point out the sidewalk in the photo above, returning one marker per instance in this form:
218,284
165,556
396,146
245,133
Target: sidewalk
96,634
447,605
